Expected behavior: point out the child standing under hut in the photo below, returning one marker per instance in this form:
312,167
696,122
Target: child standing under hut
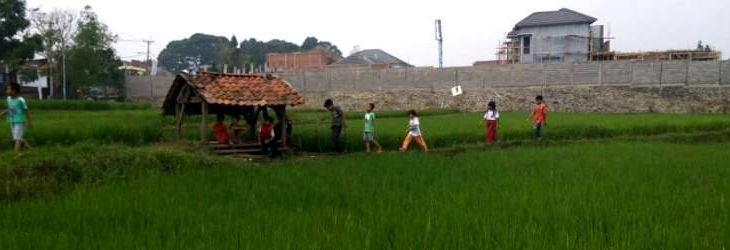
267,137
414,133
539,116
236,130
491,117
368,134
18,115
220,130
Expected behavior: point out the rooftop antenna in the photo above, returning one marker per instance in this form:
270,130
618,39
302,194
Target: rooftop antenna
440,39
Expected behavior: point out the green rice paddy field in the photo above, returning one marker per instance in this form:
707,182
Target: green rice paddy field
113,178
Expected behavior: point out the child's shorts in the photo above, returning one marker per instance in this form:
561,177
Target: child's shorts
368,136
17,129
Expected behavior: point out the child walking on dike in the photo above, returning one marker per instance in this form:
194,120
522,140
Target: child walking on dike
414,132
539,116
368,134
491,117
338,122
17,115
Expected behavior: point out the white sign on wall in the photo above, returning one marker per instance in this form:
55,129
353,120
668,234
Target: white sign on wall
456,91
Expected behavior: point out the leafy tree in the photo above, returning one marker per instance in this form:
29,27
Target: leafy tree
334,52
55,29
15,49
215,51
257,50
198,50
232,56
310,43
92,62
234,42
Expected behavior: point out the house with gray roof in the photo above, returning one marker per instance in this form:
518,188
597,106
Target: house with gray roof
375,58
561,36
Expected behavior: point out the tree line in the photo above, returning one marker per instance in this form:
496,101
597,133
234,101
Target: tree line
80,57
217,51
77,47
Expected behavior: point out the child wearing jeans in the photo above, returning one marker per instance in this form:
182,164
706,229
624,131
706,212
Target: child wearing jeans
491,117
414,133
18,115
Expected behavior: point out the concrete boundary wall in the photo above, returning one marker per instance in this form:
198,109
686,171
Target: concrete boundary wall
670,73
633,74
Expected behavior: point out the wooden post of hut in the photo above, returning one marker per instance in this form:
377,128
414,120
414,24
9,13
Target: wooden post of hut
204,122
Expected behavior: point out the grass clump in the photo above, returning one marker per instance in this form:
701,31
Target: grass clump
50,170
86,105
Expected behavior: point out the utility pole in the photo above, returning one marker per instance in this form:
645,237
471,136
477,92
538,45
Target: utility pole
63,59
149,68
148,62
440,40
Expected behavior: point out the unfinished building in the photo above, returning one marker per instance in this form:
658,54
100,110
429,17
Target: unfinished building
562,36
568,36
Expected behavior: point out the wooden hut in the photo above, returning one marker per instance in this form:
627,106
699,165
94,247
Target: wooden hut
247,95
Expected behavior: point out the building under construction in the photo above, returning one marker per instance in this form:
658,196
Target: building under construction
568,36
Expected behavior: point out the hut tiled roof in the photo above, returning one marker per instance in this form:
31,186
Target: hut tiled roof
225,92
243,90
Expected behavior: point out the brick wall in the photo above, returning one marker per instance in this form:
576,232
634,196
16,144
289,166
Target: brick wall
313,59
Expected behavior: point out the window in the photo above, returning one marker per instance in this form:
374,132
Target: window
526,45
552,59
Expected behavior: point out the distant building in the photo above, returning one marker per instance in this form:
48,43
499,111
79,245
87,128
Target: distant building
315,58
372,58
562,36
134,68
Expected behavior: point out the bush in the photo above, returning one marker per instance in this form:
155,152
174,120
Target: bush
55,169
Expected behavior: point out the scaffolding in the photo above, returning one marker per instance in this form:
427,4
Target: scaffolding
669,55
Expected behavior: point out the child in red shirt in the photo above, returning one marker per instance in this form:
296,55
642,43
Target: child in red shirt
267,137
539,116
220,130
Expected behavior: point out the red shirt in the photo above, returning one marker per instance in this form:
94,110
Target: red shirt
266,132
539,113
221,133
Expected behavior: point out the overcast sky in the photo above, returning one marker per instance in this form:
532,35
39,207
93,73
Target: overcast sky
472,29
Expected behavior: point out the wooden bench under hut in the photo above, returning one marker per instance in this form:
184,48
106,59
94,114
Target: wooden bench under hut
246,95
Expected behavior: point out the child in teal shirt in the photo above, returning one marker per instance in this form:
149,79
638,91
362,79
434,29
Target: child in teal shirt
17,115
368,134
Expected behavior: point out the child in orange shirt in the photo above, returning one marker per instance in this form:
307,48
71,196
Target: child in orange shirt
539,116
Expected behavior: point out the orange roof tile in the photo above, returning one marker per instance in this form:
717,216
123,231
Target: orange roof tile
243,90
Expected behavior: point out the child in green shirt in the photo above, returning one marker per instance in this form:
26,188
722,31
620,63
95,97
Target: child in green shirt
368,134
17,115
